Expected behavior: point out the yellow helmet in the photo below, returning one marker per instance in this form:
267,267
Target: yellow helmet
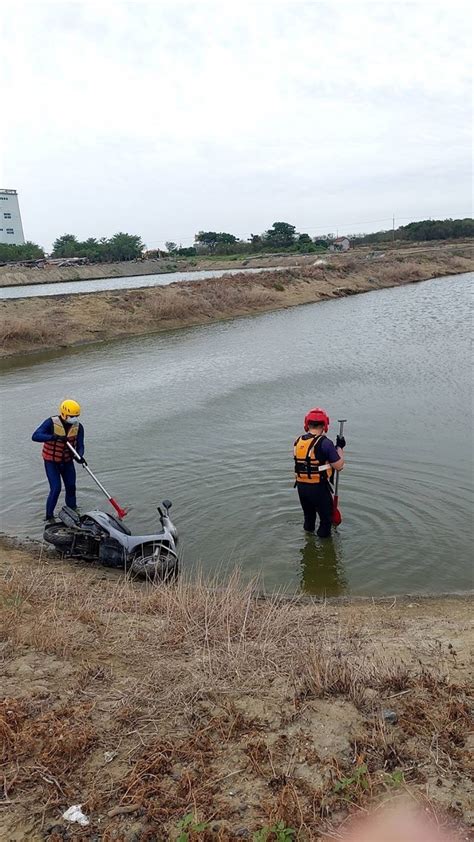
69,409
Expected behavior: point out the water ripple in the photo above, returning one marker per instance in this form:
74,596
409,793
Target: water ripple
207,417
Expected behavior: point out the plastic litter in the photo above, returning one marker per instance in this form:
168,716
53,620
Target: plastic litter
390,716
75,814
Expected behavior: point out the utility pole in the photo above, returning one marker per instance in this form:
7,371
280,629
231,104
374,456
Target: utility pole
393,228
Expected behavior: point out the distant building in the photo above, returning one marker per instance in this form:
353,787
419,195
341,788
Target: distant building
11,229
340,244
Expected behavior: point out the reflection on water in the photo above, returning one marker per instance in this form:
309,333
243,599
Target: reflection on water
322,569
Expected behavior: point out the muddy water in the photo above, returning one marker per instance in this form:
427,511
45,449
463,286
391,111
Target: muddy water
207,416
133,282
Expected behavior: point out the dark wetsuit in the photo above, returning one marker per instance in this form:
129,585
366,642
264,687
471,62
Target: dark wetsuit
316,498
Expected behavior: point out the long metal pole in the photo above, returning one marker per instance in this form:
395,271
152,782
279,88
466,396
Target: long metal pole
341,431
121,512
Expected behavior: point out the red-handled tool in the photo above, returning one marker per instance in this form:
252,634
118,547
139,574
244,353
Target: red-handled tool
336,514
121,512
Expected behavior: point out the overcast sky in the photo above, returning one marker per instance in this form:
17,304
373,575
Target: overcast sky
164,118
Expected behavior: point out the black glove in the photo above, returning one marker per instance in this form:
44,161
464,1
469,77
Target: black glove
341,442
80,459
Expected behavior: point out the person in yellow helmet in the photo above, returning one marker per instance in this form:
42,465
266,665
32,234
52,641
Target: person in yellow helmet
55,433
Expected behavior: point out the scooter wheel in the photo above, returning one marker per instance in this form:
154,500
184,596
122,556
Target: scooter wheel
58,535
156,567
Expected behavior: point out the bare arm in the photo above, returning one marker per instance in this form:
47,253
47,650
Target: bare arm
338,466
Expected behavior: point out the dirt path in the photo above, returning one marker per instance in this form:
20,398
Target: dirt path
36,324
146,704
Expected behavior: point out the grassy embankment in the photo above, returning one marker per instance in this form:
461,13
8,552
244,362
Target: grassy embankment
11,276
147,704
38,323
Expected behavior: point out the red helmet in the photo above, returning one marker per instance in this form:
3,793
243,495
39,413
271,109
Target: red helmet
319,416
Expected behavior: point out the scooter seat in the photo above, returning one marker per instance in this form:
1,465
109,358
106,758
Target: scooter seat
69,517
118,523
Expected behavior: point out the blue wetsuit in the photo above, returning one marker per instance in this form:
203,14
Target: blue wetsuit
55,471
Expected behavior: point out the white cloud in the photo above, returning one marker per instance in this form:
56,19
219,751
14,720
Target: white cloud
163,118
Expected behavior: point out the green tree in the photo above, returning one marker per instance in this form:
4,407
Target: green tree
190,251
212,239
208,239
171,247
66,246
119,247
280,236
305,243
226,239
10,252
125,246
256,242
92,249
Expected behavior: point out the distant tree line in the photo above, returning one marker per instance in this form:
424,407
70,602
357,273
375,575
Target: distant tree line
119,247
427,229
283,237
280,237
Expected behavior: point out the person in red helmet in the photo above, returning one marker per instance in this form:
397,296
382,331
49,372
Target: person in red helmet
316,459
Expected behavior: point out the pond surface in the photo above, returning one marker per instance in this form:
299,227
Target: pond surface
208,416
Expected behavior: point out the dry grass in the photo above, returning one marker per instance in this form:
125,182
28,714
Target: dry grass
35,323
153,702
18,333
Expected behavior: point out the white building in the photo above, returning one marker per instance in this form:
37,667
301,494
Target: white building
340,244
11,229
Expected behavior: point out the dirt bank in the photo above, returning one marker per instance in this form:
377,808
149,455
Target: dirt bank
10,276
55,274
147,704
39,323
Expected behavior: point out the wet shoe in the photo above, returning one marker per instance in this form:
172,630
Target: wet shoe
49,520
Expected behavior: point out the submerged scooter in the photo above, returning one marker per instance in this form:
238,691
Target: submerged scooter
99,536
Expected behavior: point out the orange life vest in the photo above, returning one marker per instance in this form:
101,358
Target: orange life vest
56,451
307,464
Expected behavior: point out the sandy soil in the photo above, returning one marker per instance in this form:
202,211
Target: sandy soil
39,323
146,704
